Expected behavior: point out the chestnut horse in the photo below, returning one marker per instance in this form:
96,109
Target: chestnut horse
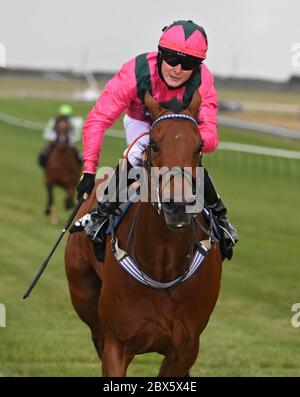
62,168
125,316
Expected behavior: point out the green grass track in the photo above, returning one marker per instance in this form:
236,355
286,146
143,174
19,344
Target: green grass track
250,331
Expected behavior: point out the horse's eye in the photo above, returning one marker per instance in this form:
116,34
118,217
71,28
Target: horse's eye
154,147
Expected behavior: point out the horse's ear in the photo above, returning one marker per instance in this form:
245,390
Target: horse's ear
195,104
153,107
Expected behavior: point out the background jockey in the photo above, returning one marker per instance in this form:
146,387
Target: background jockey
49,134
176,70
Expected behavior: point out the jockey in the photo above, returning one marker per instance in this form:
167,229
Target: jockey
176,70
49,133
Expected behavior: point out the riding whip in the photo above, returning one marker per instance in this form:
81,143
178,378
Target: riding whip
46,261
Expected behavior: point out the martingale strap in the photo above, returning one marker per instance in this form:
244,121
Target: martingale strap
130,266
174,116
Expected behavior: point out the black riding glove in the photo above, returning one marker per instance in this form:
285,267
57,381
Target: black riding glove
86,185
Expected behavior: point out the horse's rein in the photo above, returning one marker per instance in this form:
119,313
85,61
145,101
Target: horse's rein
127,150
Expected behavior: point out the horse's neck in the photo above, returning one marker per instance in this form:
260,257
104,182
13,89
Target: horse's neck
161,252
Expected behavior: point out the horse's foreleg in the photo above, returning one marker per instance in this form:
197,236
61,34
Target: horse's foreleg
85,288
50,210
180,364
115,360
69,201
49,204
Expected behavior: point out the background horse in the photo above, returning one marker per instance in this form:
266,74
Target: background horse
126,317
62,168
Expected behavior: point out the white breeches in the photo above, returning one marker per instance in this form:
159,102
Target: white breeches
133,129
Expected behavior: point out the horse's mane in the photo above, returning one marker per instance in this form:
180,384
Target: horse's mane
173,104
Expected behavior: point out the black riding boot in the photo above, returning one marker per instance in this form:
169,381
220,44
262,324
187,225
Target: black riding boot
44,154
95,222
215,204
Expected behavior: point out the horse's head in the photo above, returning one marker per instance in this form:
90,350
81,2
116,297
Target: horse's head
175,148
62,128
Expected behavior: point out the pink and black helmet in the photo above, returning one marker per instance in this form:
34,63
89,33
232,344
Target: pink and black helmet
185,37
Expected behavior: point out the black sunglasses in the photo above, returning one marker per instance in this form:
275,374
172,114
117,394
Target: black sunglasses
173,59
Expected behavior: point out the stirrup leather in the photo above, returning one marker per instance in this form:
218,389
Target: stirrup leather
97,230
227,234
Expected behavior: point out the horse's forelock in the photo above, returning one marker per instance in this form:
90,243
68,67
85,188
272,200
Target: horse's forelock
60,119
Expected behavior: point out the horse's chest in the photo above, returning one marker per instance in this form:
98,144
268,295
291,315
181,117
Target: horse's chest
153,328
162,336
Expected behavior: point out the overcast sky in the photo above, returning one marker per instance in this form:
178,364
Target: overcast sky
246,38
